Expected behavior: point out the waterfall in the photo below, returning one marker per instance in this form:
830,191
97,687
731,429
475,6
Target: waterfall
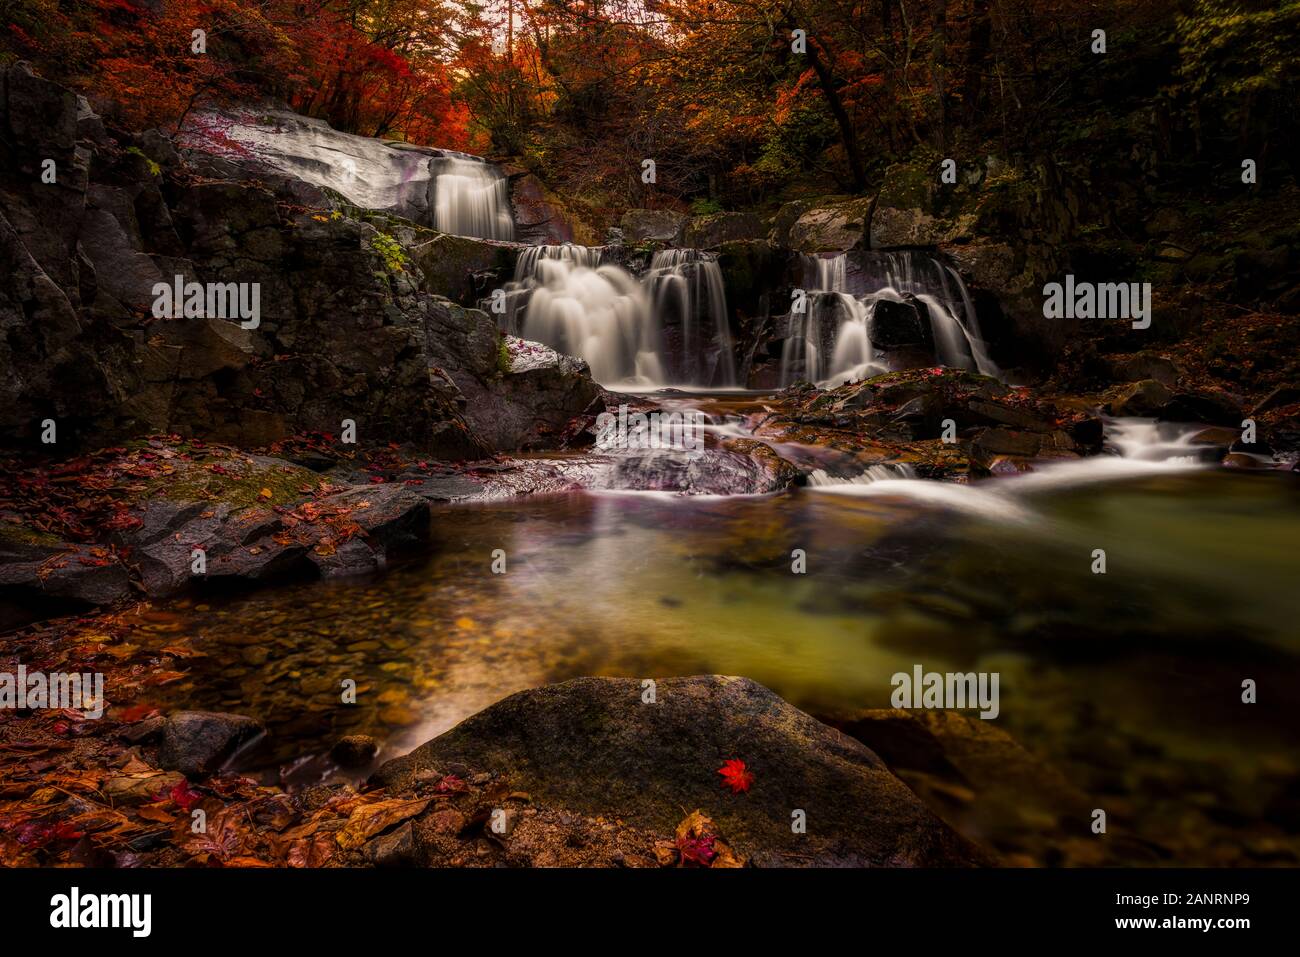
668,329
834,340
831,341
688,303
564,297
471,198
820,478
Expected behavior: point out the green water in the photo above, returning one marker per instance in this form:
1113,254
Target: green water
1128,683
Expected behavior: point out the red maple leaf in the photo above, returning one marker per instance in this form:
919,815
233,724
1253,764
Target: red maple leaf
735,776
183,796
698,850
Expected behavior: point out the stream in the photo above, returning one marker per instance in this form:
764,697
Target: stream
1127,682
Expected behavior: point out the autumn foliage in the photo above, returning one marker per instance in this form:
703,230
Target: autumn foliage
739,102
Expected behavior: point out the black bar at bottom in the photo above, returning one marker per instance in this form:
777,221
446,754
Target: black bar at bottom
339,906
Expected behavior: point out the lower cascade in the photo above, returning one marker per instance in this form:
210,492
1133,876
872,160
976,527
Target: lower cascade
904,308
668,328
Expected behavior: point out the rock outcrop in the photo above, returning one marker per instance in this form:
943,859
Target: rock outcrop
347,326
651,225
901,416
593,746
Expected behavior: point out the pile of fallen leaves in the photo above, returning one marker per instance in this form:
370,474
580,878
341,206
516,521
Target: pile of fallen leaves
697,843
84,498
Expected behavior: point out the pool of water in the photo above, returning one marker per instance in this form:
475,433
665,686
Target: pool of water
1127,682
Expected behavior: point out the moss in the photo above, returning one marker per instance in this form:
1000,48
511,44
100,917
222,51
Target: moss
154,168
14,533
504,361
239,485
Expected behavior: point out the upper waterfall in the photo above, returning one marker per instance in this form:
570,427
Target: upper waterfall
453,192
471,198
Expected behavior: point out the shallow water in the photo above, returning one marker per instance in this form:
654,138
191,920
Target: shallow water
1129,682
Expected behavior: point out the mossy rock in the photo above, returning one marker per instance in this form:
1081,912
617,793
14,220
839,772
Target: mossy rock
239,484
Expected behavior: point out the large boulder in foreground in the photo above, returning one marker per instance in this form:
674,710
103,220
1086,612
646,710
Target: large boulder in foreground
592,746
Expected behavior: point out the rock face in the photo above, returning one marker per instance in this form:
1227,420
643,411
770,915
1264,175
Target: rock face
710,232
592,745
81,573
347,327
541,217
374,174
651,225
831,227
459,267
911,210
517,394
196,743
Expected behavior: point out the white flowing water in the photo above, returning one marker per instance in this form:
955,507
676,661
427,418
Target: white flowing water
453,192
685,289
832,342
1139,447
562,296
471,198
670,328
873,474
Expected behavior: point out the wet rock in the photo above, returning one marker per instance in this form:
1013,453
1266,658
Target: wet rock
1146,398
1214,408
79,573
390,515
901,324
196,743
394,849
461,268
371,173
740,467
593,747
711,232
901,415
972,773
530,403
833,226
354,750
651,225
1244,460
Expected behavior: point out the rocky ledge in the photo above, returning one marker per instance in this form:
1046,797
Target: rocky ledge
597,750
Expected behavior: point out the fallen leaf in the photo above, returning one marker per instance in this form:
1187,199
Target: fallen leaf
735,776
369,819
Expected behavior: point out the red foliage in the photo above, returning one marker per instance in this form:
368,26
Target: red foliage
735,776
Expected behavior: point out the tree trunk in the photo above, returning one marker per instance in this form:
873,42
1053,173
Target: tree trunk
826,80
977,53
